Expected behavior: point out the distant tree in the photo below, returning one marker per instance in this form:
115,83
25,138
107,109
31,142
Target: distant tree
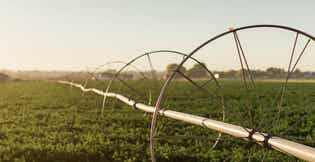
198,71
297,71
171,68
258,73
275,72
4,77
271,72
107,74
110,71
230,74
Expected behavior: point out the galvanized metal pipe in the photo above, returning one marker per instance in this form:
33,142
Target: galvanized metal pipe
288,147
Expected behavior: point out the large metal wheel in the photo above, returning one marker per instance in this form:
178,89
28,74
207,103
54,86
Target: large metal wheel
253,102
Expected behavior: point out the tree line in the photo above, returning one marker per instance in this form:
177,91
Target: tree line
199,71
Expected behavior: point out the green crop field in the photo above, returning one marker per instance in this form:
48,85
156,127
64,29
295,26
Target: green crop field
46,121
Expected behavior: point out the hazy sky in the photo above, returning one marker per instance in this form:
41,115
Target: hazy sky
79,34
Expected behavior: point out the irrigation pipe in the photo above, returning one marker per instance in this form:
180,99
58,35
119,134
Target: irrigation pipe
288,147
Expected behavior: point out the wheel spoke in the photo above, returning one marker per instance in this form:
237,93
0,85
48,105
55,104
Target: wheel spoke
301,54
239,51
207,82
130,87
245,60
152,68
240,59
192,82
289,73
